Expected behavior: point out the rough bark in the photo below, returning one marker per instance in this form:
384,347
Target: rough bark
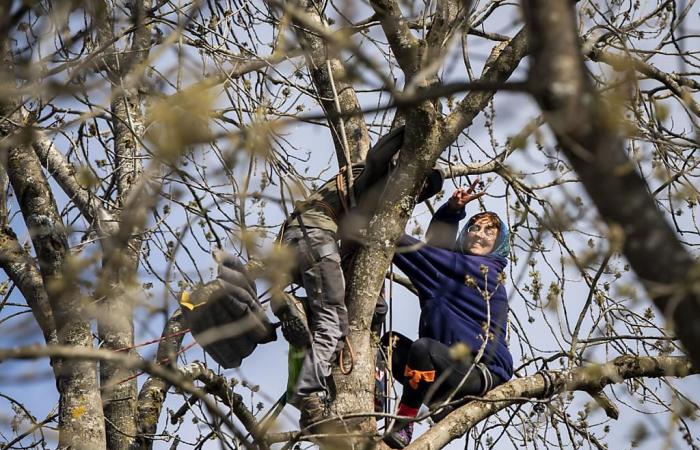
405,47
501,64
154,390
221,388
589,379
115,325
181,378
595,147
418,155
21,269
447,23
64,173
80,409
424,141
447,13
335,92
120,261
81,424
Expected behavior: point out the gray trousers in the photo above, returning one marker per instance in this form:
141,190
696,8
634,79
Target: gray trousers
319,271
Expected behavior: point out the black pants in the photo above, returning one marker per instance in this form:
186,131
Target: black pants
448,377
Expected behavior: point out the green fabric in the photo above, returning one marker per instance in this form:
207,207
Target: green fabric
318,217
295,358
315,218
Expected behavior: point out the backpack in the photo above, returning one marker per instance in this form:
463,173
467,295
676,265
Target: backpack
225,316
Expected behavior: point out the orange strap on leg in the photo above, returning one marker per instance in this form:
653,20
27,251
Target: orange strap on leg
416,376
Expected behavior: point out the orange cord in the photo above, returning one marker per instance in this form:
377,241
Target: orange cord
341,359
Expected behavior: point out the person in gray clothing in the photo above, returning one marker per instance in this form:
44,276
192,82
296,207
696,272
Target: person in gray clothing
338,209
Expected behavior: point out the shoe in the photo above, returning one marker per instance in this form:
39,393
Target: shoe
401,437
313,410
330,432
445,410
290,311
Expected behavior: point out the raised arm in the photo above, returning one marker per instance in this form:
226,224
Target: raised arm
444,226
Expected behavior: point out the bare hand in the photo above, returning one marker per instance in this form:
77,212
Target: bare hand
462,196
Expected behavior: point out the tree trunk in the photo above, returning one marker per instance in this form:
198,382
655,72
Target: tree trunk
81,423
335,93
119,281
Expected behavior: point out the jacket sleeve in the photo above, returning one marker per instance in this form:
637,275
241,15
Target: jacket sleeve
444,226
378,159
411,258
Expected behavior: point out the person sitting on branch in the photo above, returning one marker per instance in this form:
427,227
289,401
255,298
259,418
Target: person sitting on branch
461,349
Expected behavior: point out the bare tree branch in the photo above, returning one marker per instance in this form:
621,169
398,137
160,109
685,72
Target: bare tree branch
673,82
173,377
65,174
22,270
77,382
335,94
405,47
595,148
543,386
502,62
154,390
115,318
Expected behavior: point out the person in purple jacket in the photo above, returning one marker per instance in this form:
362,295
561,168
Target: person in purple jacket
461,348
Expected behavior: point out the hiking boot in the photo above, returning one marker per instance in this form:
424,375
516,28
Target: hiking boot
401,436
290,311
313,409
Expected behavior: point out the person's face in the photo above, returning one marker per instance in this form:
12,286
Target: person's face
481,237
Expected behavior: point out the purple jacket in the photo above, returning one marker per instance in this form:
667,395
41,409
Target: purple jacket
454,309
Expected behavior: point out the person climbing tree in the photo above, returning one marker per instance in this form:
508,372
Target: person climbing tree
461,348
340,208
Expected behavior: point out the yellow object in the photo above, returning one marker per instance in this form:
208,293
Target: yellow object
185,301
78,411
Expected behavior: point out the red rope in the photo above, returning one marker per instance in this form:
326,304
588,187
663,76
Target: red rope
163,361
162,338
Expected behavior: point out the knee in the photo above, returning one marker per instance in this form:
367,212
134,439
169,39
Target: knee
397,340
421,346
330,324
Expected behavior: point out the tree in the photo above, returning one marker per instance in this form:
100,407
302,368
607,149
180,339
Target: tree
138,136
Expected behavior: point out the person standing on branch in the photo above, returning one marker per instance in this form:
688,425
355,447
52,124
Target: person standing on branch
461,348
338,209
